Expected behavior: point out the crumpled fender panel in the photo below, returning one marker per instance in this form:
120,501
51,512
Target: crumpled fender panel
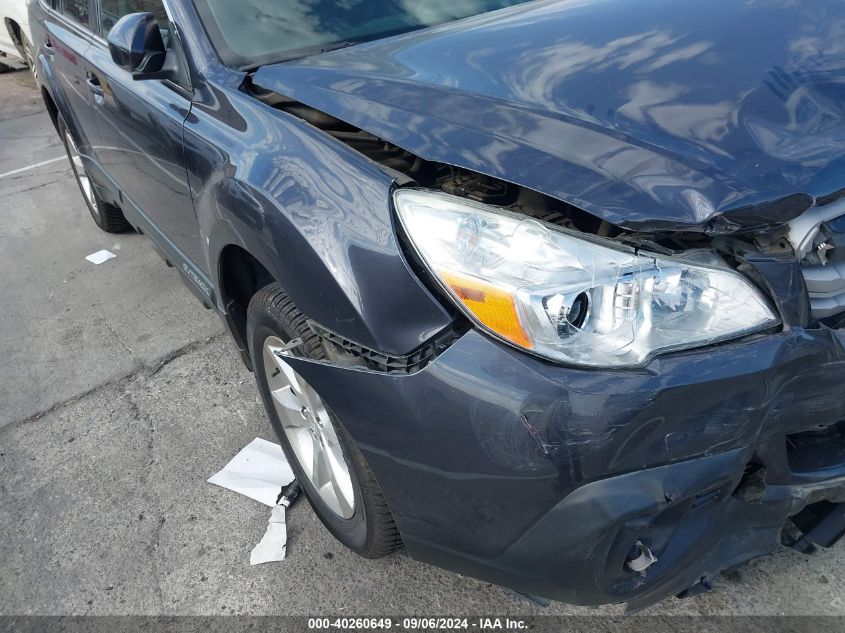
316,214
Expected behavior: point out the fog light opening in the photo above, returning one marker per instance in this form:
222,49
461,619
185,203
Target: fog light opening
639,558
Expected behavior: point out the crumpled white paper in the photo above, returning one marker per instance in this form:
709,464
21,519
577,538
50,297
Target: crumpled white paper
273,545
100,256
259,471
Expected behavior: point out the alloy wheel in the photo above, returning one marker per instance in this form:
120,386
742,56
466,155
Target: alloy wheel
309,430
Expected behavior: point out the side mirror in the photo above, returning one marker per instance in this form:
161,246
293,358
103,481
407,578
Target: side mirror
136,45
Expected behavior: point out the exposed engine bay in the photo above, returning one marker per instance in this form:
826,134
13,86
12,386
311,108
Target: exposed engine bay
816,238
451,180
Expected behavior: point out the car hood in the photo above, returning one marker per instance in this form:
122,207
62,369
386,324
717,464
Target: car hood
714,115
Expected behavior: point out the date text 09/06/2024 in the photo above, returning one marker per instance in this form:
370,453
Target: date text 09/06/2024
418,623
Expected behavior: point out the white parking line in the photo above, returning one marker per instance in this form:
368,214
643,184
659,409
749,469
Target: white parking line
35,166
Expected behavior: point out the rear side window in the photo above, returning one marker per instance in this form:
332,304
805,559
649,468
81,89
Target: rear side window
112,10
77,10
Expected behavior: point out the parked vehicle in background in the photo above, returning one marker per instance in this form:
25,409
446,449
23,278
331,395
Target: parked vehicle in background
15,36
552,293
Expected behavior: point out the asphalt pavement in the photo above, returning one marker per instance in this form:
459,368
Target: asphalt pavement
120,395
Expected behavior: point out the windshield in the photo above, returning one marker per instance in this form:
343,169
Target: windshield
254,32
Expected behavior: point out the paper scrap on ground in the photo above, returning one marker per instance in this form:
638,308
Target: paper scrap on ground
259,471
273,546
100,256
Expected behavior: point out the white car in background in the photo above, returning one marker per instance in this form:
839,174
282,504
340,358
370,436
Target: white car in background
15,36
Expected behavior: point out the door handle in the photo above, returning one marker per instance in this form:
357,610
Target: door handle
48,47
96,89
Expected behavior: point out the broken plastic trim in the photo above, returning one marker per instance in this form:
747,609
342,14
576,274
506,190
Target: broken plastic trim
409,363
640,558
289,494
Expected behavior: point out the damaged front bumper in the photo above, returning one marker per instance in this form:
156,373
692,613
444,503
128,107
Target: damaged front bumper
548,479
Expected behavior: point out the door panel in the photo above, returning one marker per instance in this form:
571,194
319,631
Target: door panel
140,147
66,43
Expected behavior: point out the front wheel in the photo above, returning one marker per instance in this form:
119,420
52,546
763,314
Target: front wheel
107,216
332,471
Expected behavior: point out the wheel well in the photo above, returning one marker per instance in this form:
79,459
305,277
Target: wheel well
241,276
15,31
52,110
18,37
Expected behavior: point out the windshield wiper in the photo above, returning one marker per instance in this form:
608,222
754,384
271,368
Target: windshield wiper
302,54
336,46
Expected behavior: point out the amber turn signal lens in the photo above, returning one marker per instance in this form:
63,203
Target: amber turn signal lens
493,307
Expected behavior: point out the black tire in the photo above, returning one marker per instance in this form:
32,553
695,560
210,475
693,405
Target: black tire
4,68
107,216
371,531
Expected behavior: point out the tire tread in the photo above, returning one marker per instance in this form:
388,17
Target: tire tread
383,536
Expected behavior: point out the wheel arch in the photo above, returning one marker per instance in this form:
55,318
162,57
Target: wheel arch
15,32
240,275
51,92
52,108
252,240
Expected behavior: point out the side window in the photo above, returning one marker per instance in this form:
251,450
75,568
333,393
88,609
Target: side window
112,10
77,10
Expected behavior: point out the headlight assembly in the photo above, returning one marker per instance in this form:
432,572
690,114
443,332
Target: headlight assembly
569,298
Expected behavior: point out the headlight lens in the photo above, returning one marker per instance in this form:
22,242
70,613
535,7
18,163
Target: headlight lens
570,298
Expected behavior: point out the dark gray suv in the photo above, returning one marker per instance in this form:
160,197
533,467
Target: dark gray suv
552,293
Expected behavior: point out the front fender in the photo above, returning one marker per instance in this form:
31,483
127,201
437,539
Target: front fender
315,213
